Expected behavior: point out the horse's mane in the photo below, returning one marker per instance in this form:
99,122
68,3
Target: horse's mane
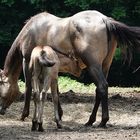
13,59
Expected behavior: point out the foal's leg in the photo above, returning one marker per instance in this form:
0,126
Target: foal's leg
40,111
28,89
35,84
35,115
57,107
101,95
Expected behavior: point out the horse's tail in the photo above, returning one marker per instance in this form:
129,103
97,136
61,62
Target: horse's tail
44,60
128,37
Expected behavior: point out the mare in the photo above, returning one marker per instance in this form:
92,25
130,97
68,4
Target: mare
89,36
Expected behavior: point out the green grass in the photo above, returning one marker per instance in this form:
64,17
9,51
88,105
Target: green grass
21,85
66,84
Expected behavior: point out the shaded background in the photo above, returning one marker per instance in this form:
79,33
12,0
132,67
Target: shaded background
14,13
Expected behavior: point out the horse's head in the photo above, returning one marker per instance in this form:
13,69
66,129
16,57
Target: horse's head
8,92
68,65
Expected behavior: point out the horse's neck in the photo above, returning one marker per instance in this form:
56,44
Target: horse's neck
13,63
13,73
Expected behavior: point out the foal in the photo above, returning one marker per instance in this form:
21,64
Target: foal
44,66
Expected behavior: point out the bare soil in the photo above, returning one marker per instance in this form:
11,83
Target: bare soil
124,123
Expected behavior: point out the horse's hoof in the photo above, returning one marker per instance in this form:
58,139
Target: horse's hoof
22,118
59,126
60,114
40,127
34,126
88,124
2,111
24,115
33,129
58,123
102,125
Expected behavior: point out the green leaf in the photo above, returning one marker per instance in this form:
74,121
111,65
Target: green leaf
118,12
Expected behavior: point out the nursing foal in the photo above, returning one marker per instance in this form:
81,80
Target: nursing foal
44,66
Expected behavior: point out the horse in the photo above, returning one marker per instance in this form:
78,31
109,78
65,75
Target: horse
89,36
44,66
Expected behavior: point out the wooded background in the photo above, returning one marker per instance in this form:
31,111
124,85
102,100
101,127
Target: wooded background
14,13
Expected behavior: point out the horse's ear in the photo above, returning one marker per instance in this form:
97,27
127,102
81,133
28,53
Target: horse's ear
2,76
1,71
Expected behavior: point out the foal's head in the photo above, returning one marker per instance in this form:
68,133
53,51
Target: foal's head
8,92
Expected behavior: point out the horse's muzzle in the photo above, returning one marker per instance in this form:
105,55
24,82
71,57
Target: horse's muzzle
2,111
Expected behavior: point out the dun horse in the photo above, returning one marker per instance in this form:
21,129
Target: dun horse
89,36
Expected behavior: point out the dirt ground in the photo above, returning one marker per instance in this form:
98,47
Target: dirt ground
124,123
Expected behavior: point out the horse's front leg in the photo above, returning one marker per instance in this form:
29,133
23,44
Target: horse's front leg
28,89
60,110
101,95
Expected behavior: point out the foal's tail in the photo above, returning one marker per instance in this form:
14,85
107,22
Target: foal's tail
44,60
128,37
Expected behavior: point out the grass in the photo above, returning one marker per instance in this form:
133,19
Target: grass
66,84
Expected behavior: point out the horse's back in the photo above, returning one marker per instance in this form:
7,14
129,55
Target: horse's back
89,36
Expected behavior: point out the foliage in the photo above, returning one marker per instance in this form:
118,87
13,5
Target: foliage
14,13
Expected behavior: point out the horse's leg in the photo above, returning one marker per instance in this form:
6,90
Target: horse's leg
40,113
92,118
105,67
57,106
60,110
101,95
35,117
108,60
40,110
28,89
35,84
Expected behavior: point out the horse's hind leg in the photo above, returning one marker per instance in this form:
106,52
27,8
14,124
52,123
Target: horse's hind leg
101,95
92,118
57,107
35,117
40,113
